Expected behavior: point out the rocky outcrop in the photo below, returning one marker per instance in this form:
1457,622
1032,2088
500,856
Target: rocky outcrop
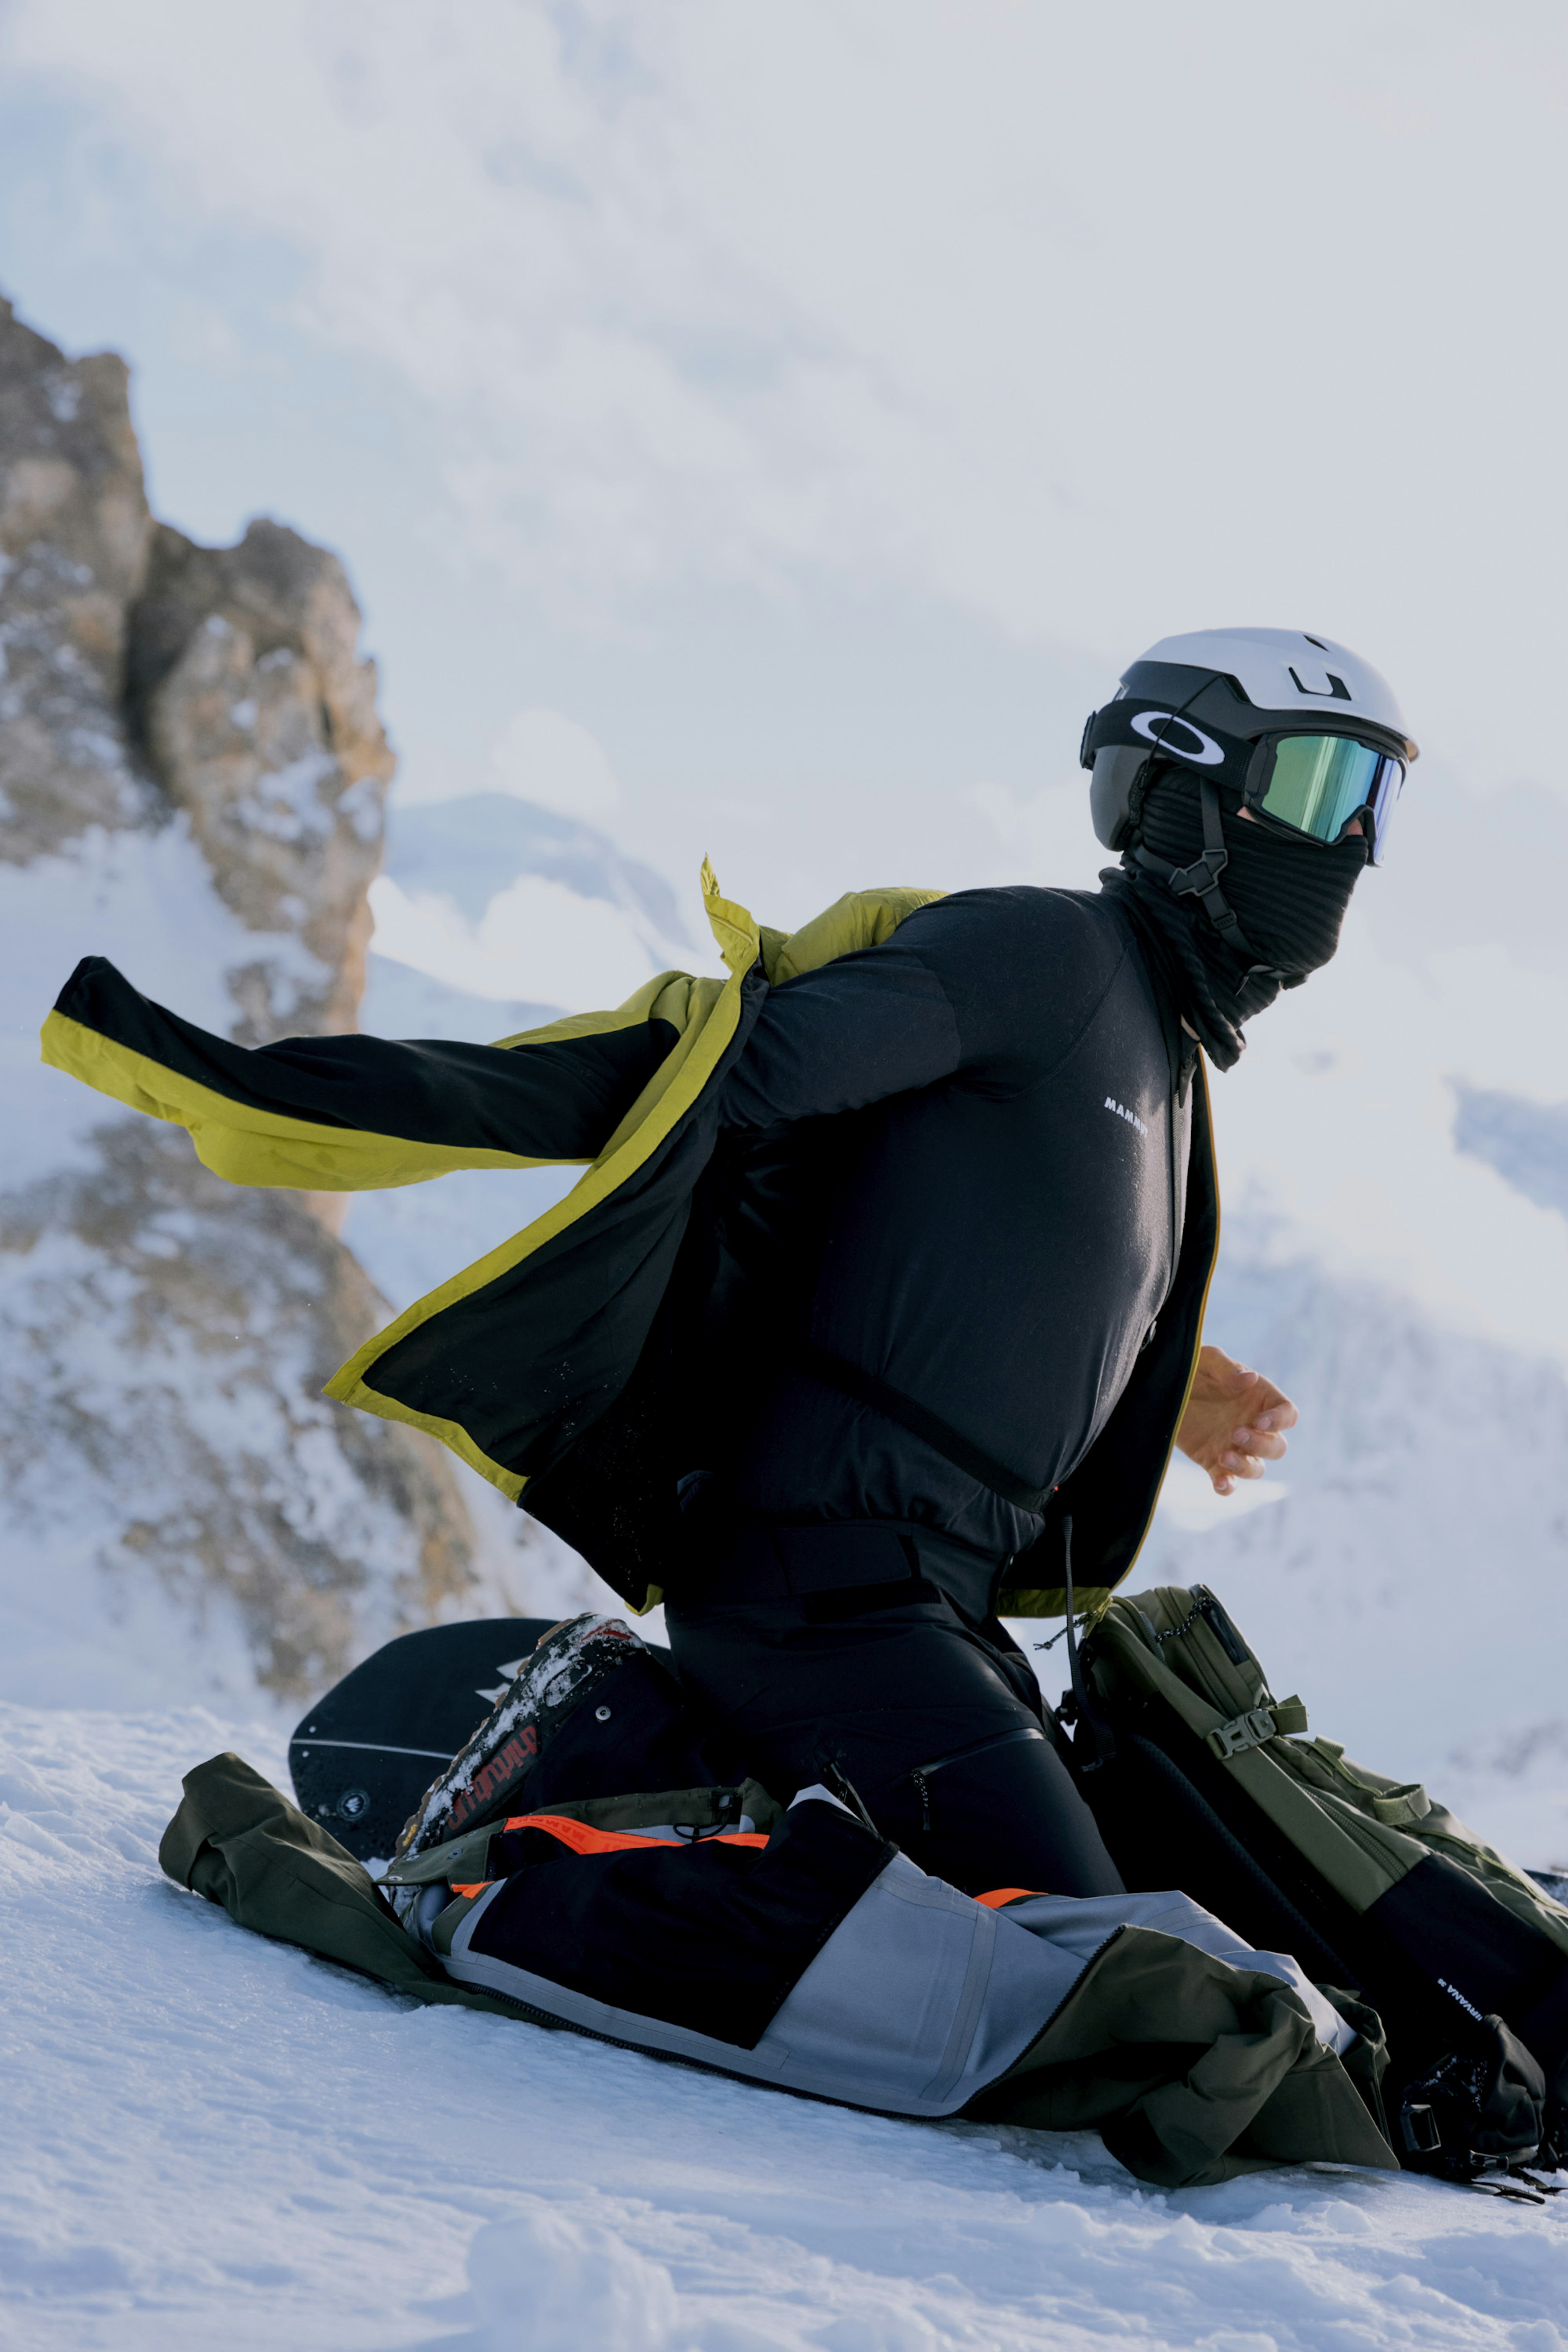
167,1338
144,675
74,530
245,695
163,1338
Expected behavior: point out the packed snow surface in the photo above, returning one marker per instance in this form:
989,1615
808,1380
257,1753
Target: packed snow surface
212,2139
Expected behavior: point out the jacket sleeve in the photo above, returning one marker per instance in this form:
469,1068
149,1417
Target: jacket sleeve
354,1113
874,1024
996,985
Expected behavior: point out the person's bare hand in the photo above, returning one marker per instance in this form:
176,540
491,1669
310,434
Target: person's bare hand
1233,1422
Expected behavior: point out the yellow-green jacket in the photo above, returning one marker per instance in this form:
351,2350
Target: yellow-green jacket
535,1365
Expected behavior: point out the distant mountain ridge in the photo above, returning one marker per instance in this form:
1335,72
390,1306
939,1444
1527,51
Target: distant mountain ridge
1526,1142
1409,1582
465,849
499,900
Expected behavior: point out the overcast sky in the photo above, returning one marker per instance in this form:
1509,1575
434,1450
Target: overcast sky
810,406
1053,328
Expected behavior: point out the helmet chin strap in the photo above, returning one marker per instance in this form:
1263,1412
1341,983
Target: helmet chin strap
1201,881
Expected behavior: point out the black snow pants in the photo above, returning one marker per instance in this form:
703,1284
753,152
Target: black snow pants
937,1723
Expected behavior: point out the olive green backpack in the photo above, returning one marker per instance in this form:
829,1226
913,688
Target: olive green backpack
1199,1777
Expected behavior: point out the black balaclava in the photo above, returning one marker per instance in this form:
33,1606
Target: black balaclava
1289,896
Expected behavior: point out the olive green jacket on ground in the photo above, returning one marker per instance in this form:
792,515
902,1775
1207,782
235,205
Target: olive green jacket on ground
1192,2069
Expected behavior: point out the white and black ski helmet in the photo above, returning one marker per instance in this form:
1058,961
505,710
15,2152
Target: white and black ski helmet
1221,701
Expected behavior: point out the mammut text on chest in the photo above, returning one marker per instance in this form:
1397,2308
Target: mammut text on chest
1124,1123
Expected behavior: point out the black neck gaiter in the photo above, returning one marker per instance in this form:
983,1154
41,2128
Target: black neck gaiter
1289,896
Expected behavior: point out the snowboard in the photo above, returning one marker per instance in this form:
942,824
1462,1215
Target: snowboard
365,1755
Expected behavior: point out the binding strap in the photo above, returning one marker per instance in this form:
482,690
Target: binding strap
583,1840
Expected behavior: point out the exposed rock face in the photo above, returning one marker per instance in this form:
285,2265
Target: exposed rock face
163,1338
259,719
74,529
168,1338
142,675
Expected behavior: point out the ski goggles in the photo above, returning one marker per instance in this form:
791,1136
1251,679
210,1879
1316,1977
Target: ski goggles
1316,785
1319,784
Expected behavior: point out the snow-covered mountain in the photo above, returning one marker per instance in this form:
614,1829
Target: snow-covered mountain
191,775
1405,1568
1526,1142
499,897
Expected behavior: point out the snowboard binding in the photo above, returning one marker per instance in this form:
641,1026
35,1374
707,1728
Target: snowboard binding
484,1780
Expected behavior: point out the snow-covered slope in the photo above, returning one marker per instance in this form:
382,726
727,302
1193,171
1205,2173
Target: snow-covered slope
182,1508
212,2139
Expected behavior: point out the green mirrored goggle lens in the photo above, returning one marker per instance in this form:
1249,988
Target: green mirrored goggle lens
1319,782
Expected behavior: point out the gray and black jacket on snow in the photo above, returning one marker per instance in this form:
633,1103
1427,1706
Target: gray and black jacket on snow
950,1145
813,1956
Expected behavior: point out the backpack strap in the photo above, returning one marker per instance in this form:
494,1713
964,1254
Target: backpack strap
1097,1734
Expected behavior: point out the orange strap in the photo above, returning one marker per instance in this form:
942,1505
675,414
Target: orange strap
583,1840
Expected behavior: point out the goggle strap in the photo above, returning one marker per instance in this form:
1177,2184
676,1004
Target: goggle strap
1201,881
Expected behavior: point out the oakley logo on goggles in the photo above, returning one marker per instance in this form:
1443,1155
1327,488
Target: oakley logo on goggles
1313,784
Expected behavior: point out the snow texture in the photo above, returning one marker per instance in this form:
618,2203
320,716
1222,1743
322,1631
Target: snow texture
214,2139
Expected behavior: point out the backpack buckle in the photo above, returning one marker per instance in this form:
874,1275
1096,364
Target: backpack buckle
1242,1732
